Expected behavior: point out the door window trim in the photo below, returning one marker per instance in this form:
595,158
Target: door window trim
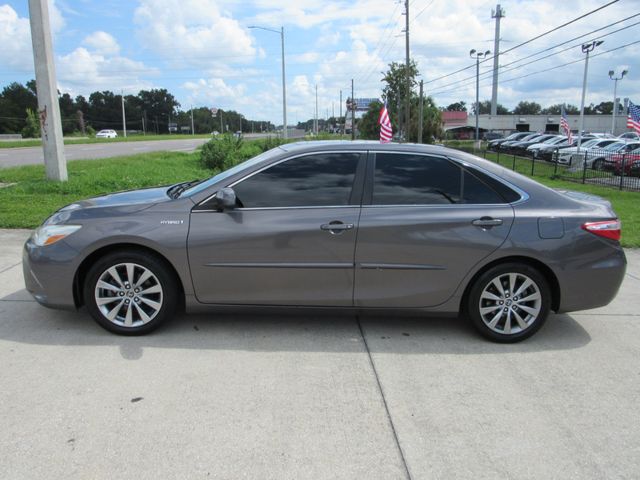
355,198
367,200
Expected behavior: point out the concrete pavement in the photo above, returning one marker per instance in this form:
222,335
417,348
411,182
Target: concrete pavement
315,396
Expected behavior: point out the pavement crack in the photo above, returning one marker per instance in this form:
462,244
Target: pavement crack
384,401
633,276
9,268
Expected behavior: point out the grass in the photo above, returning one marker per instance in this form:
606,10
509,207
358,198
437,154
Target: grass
32,199
85,140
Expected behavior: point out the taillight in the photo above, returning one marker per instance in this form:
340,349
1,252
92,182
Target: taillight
607,229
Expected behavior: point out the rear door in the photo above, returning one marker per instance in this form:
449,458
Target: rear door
425,222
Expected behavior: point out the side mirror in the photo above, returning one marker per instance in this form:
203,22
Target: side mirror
225,199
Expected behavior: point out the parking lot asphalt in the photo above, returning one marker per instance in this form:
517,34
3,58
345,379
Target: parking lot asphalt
315,397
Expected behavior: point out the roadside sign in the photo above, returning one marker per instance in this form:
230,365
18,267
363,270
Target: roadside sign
214,111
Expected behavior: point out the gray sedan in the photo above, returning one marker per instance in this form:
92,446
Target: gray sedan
334,225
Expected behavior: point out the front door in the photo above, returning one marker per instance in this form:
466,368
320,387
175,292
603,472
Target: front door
291,239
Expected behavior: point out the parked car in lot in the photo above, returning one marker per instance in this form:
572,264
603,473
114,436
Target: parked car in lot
601,159
565,155
520,148
495,144
554,141
354,226
629,136
548,151
630,160
106,134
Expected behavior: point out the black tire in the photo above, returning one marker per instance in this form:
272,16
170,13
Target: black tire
516,308
598,164
157,306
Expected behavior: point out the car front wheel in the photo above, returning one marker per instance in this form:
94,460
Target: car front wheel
130,293
509,302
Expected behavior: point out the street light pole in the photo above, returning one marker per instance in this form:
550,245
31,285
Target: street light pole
615,93
478,55
586,48
284,81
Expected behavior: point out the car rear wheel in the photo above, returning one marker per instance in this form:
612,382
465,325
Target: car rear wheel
130,293
598,164
509,302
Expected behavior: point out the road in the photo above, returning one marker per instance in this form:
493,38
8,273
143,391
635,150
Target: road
12,157
315,397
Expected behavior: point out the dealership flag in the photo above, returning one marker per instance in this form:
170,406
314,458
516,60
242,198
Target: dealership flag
386,133
633,120
564,125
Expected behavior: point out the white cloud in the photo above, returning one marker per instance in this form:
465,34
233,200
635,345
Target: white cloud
83,71
15,38
192,32
102,43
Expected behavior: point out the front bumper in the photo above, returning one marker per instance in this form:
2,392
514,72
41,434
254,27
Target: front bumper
49,273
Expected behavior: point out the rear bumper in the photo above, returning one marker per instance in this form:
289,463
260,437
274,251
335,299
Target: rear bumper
593,285
49,272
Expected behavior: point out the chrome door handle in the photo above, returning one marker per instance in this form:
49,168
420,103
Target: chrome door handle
487,222
336,227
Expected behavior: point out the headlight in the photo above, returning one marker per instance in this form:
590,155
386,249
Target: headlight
50,234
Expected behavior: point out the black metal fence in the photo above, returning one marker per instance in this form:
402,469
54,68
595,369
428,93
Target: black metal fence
591,166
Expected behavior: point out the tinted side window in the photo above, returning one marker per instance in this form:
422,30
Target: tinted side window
506,194
415,180
309,181
475,191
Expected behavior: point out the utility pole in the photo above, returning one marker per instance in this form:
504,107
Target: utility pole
315,120
498,13
353,113
192,130
478,55
48,106
587,48
124,118
420,118
144,128
341,112
407,100
221,126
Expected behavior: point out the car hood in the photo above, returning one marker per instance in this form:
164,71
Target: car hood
132,200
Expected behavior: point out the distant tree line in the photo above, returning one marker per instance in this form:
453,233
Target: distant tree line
150,110
533,108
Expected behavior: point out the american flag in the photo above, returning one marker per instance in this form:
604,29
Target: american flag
564,125
633,120
386,133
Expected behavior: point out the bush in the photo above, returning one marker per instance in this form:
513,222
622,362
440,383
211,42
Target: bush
32,127
270,142
91,132
221,152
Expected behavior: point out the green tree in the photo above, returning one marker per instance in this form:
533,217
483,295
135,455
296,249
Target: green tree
394,91
485,108
368,124
556,109
460,106
527,108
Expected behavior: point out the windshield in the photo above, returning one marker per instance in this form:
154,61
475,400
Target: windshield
590,143
232,171
614,146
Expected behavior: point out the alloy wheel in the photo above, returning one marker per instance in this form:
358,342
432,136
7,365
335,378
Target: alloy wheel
128,295
510,303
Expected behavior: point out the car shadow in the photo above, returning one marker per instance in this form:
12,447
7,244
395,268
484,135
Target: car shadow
25,321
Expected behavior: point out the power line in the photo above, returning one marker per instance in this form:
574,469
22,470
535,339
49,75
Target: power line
464,81
528,41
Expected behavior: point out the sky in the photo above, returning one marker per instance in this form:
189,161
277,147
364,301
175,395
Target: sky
203,52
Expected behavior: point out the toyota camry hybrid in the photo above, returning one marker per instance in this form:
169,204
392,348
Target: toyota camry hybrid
334,225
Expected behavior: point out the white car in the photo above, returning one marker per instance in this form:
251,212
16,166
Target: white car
106,134
565,154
